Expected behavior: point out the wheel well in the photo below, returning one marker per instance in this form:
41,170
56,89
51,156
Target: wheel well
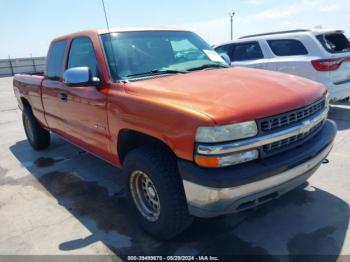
25,103
130,139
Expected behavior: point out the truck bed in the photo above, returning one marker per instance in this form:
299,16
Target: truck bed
27,89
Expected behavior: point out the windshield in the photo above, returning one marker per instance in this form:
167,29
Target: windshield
132,55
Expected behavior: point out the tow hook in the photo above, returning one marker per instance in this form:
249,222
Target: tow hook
325,161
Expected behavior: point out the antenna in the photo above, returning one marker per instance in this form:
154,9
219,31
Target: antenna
109,32
104,10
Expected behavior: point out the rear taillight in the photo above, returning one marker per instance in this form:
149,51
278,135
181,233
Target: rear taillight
328,64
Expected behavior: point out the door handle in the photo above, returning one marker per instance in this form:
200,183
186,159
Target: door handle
63,96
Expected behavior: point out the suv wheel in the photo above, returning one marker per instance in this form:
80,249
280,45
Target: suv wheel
155,192
38,137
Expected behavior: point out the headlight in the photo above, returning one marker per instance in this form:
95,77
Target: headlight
226,133
228,160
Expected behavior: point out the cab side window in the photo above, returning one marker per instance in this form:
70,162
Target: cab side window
82,54
55,60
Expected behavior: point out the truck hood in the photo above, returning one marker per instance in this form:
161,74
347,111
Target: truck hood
231,95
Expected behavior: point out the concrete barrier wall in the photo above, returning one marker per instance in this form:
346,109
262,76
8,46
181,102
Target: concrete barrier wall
9,67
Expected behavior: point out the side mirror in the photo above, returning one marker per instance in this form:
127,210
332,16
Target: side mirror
226,58
80,76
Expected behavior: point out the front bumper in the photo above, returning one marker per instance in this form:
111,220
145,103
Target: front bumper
214,192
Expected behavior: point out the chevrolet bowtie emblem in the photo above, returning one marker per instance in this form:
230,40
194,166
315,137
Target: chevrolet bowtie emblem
306,126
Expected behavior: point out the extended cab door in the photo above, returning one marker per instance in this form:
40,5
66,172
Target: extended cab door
52,85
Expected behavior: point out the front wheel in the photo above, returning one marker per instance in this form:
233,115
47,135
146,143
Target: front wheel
155,192
38,137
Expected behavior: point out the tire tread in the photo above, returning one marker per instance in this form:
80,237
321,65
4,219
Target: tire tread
164,170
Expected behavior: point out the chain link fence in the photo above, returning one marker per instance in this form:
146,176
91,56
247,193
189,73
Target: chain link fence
12,66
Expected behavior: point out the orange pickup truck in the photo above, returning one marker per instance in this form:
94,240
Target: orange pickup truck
193,136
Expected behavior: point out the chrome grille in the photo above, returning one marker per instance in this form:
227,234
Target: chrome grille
291,140
286,119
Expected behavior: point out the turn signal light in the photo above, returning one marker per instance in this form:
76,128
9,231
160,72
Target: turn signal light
227,160
209,162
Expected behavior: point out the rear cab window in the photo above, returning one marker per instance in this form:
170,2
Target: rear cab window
242,51
55,60
287,47
334,42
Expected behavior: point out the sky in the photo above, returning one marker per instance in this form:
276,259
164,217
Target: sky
27,26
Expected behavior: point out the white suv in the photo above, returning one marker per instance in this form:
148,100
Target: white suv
320,55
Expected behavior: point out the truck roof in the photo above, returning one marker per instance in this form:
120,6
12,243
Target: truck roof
120,29
136,29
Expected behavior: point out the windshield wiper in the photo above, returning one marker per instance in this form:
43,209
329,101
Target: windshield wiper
158,72
208,66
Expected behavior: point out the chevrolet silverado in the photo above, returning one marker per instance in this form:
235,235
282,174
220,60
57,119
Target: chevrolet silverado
193,136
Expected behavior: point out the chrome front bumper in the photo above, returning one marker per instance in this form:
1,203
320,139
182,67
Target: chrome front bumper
210,202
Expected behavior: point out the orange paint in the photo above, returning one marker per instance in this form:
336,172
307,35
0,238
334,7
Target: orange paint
168,108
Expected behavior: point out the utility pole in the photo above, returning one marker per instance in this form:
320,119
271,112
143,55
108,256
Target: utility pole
33,61
232,14
11,66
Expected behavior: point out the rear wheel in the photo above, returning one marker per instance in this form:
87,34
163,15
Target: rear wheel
155,192
38,137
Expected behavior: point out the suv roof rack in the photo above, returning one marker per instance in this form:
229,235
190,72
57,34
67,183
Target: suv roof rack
276,33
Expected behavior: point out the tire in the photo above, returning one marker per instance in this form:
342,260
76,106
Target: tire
38,137
160,167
